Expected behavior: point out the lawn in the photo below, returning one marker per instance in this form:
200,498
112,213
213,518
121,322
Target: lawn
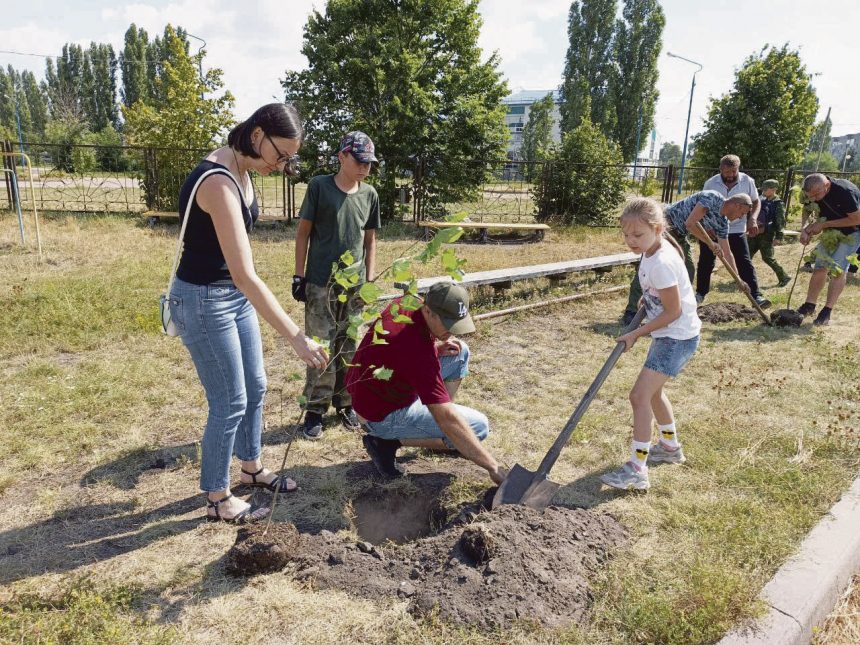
98,545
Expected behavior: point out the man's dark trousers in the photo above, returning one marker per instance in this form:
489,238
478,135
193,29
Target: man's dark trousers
741,251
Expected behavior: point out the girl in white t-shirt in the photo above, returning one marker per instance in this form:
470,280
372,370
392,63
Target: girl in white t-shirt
674,326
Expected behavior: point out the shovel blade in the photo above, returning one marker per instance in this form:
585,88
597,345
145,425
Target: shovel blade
524,487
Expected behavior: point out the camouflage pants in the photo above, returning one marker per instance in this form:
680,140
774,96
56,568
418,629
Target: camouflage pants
328,319
764,243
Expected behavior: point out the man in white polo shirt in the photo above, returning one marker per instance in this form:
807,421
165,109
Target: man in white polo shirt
730,181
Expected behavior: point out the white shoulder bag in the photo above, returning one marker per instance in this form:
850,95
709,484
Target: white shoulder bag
167,325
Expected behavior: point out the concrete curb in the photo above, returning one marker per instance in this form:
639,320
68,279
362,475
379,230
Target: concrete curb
805,589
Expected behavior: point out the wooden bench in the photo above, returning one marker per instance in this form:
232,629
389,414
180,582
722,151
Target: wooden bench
538,230
152,217
504,278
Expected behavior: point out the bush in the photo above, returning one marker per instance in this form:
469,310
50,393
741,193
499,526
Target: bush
583,182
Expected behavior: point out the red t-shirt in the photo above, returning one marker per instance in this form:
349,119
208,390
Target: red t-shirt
411,353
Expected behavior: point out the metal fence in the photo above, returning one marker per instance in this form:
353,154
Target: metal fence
133,179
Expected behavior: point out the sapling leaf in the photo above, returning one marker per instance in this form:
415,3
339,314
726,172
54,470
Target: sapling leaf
410,303
379,329
382,373
369,292
341,297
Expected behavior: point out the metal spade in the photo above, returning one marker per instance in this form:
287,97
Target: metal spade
534,489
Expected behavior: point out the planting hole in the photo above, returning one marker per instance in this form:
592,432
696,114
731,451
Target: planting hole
391,515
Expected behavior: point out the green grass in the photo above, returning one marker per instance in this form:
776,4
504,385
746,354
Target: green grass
92,394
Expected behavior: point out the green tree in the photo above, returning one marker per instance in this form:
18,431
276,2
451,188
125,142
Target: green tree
638,41
537,134
766,118
584,183
820,131
411,77
67,135
133,64
588,65
37,103
670,153
827,162
101,96
177,117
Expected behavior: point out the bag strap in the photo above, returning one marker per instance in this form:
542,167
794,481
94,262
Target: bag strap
180,243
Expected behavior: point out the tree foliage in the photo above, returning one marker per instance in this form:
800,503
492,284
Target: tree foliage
537,134
637,45
670,153
766,118
19,92
410,74
588,64
178,116
135,64
583,183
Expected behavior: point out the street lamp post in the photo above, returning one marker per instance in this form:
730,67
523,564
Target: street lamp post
689,112
845,161
199,58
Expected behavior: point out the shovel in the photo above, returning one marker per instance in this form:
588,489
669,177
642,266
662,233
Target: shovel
534,489
741,283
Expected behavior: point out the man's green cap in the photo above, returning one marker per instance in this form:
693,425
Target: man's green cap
450,302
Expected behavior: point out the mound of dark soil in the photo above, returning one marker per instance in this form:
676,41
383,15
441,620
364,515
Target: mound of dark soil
786,318
510,564
254,553
723,312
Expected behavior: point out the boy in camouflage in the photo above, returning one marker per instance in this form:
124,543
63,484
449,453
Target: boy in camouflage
771,221
340,213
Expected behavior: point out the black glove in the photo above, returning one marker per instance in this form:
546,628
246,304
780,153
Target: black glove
299,285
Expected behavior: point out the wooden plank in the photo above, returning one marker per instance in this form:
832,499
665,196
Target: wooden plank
531,272
479,225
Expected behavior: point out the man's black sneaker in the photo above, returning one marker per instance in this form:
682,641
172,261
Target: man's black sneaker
784,280
348,418
312,428
382,453
762,302
823,317
806,309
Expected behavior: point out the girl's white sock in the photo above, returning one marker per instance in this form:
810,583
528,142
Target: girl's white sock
668,435
639,453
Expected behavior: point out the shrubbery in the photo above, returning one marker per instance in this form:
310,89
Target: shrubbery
583,180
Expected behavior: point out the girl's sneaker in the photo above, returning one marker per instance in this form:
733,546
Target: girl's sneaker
628,477
663,454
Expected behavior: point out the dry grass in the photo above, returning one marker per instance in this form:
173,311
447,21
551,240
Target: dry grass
92,395
842,626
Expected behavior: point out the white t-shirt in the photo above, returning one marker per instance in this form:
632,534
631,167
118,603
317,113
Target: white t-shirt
745,185
662,270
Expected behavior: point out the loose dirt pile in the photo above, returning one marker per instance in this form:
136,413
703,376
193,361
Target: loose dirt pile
254,553
786,318
723,312
510,564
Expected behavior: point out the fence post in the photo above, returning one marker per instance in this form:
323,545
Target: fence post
786,189
6,146
417,200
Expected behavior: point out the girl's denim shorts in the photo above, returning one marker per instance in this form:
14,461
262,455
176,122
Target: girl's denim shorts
669,355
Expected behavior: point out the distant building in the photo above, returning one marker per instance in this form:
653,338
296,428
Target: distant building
840,145
519,104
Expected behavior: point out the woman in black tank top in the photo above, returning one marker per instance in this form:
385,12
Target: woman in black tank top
215,300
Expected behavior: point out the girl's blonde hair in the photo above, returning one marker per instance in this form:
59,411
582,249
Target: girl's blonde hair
648,211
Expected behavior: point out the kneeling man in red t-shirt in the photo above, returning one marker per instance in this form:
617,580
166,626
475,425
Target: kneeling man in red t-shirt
414,407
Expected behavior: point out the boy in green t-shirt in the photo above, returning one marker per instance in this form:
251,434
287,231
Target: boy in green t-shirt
340,213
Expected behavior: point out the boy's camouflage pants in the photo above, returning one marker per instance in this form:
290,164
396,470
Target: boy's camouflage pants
328,319
764,243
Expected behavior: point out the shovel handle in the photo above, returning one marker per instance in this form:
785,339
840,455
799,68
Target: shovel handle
554,452
734,274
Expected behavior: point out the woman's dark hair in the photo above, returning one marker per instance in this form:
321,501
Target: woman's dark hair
275,119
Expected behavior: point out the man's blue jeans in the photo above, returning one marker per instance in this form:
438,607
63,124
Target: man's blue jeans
416,422
221,331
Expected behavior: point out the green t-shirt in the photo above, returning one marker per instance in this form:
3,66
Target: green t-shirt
339,221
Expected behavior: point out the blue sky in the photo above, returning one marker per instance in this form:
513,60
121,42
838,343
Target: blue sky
256,40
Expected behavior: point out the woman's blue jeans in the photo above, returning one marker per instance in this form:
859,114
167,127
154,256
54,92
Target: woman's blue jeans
221,331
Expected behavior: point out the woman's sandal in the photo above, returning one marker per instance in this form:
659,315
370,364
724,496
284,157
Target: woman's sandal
272,485
247,516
